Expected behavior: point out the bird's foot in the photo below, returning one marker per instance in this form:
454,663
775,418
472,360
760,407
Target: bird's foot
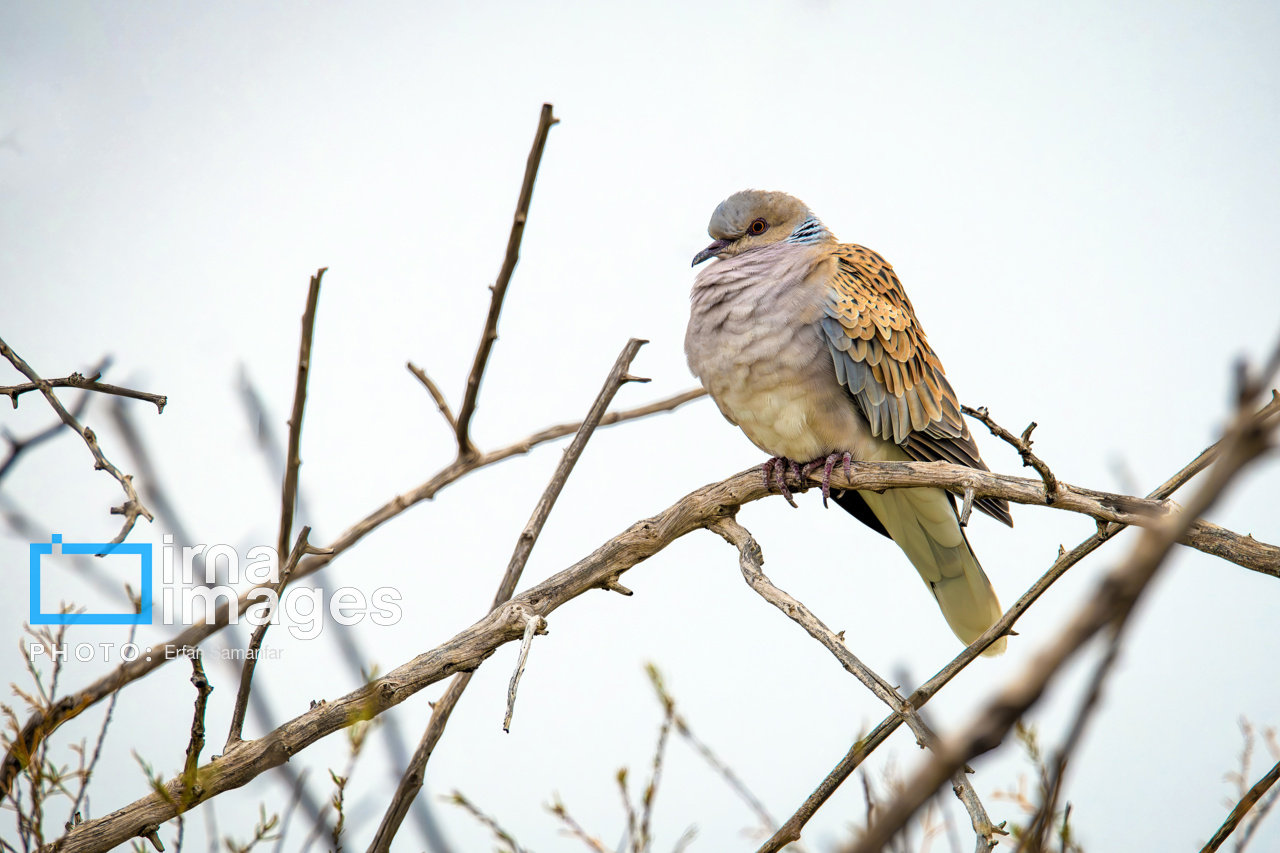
775,472
827,463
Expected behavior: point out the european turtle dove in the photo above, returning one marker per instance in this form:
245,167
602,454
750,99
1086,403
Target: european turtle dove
811,346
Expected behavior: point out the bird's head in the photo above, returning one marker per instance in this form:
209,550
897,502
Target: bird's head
752,219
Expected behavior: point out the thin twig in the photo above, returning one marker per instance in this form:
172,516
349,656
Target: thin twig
97,748
1022,445
190,770
436,394
300,547
643,840
89,383
751,561
465,447
708,755
575,829
132,507
457,799
18,446
1242,808
411,781
534,625
289,490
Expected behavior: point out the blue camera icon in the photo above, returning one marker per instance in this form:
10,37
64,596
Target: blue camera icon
39,549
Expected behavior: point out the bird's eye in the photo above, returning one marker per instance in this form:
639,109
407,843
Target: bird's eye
758,227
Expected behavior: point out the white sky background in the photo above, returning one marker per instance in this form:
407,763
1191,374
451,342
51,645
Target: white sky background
1082,203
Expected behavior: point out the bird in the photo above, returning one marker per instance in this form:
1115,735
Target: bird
813,349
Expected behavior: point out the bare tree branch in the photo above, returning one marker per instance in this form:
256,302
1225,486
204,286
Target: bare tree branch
289,490
90,383
132,507
465,448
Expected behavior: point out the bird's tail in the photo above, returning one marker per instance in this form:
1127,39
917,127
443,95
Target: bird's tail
924,524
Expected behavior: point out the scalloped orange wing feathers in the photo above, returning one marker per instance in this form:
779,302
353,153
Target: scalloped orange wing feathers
883,358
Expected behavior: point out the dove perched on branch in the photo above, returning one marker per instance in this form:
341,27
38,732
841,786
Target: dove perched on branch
813,349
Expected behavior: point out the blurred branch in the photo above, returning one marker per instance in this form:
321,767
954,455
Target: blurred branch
1242,808
132,507
457,799
708,755
463,427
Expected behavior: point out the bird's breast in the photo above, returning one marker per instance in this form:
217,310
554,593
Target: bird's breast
755,341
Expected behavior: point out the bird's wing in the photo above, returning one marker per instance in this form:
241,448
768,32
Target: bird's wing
883,358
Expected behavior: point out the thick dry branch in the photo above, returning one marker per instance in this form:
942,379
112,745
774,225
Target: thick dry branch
289,489
412,779
41,724
1110,605
465,448
1247,802
89,383
1104,507
132,507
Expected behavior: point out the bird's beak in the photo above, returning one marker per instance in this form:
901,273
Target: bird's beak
711,251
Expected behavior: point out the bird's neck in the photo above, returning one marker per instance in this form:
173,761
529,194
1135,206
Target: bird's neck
811,230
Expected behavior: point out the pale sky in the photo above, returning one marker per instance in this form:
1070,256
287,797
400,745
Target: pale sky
1082,201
